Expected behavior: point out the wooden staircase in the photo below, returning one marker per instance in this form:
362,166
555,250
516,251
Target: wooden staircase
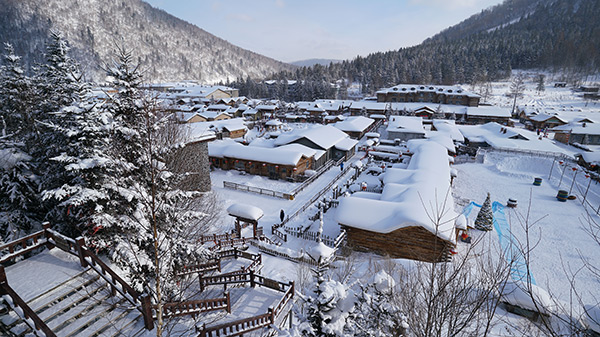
81,306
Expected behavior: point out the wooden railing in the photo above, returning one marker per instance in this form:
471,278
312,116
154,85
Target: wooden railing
194,308
230,243
242,326
200,268
298,259
216,237
28,313
308,235
239,327
258,190
24,245
51,239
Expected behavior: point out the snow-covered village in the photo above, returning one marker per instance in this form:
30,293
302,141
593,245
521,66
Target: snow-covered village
157,180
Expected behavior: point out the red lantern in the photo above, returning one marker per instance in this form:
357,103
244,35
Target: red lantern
574,168
295,169
237,161
276,166
560,162
587,175
249,163
264,164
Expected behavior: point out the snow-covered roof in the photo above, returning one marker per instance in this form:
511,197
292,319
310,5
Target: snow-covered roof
545,117
232,149
448,90
273,122
204,129
408,124
184,116
217,107
516,293
408,196
346,144
324,136
579,129
493,134
354,124
489,111
368,105
448,127
591,157
442,139
245,211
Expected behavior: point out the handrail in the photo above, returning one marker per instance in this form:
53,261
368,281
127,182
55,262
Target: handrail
38,239
239,327
174,309
28,313
245,325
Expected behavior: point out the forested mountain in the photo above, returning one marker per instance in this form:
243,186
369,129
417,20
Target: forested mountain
517,34
169,48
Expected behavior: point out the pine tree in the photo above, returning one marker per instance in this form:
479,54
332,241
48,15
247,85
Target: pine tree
152,222
540,87
330,310
77,192
377,313
485,218
19,200
58,80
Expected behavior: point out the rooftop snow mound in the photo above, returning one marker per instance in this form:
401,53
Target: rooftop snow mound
245,211
325,136
354,124
232,149
408,196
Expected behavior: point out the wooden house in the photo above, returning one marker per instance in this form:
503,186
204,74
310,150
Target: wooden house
543,121
395,223
579,133
274,163
356,126
487,114
333,141
441,94
405,128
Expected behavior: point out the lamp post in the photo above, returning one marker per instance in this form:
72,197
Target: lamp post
573,183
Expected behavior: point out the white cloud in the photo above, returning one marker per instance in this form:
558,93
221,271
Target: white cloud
279,3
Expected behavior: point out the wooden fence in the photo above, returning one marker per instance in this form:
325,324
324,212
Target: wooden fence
258,190
49,238
245,325
196,307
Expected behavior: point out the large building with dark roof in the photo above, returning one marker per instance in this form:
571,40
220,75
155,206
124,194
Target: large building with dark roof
442,94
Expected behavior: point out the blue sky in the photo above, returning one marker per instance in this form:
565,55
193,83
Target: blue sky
292,30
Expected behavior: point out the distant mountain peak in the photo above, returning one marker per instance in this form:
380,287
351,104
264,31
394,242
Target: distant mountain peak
168,47
312,62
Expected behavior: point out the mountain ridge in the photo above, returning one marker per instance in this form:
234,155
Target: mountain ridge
169,48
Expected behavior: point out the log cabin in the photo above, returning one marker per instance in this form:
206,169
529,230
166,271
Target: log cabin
396,222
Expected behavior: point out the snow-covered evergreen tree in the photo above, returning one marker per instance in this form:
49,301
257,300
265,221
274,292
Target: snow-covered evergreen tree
58,79
18,181
485,218
377,313
330,310
77,191
151,223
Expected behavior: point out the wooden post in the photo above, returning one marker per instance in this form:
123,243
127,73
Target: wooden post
46,226
147,312
252,284
79,243
200,282
271,315
3,279
235,253
228,303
